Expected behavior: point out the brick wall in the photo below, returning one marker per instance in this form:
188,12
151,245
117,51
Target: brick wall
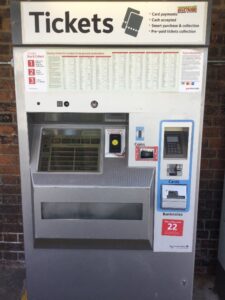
213,148
11,231
213,152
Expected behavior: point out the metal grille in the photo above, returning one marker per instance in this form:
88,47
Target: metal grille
70,150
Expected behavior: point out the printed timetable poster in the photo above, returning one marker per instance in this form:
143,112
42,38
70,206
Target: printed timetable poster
109,70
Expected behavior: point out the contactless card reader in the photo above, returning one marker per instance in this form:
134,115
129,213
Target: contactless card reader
115,143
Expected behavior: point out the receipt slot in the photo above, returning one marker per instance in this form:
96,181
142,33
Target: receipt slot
110,99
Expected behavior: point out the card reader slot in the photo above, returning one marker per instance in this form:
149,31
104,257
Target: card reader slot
174,195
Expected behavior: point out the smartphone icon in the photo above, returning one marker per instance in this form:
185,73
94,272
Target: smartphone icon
132,22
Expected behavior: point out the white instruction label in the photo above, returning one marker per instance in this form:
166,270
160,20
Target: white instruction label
191,71
35,71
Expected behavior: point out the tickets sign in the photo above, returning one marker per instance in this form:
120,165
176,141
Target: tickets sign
121,23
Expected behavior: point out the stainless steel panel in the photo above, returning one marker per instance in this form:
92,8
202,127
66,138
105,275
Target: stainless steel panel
92,228
209,22
16,23
93,274
221,252
56,272
116,183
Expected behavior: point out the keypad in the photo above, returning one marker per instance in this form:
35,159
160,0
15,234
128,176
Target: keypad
174,148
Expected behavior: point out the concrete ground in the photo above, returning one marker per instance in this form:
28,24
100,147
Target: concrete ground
12,281
204,288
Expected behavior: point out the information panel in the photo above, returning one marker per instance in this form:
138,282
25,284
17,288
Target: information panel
140,69
120,23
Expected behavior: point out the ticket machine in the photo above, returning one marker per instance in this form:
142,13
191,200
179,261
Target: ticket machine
110,99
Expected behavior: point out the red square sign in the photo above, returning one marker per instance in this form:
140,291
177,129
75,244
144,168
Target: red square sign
31,72
30,63
172,227
32,80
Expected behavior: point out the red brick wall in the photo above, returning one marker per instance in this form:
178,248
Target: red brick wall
213,147
213,152
11,231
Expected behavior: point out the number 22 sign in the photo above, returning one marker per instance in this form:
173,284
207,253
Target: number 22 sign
172,227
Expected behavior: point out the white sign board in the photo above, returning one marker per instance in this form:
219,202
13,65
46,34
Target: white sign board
119,23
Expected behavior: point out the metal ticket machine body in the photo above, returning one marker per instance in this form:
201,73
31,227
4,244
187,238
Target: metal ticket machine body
110,99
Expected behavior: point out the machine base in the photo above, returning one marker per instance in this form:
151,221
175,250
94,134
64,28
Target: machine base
112,274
